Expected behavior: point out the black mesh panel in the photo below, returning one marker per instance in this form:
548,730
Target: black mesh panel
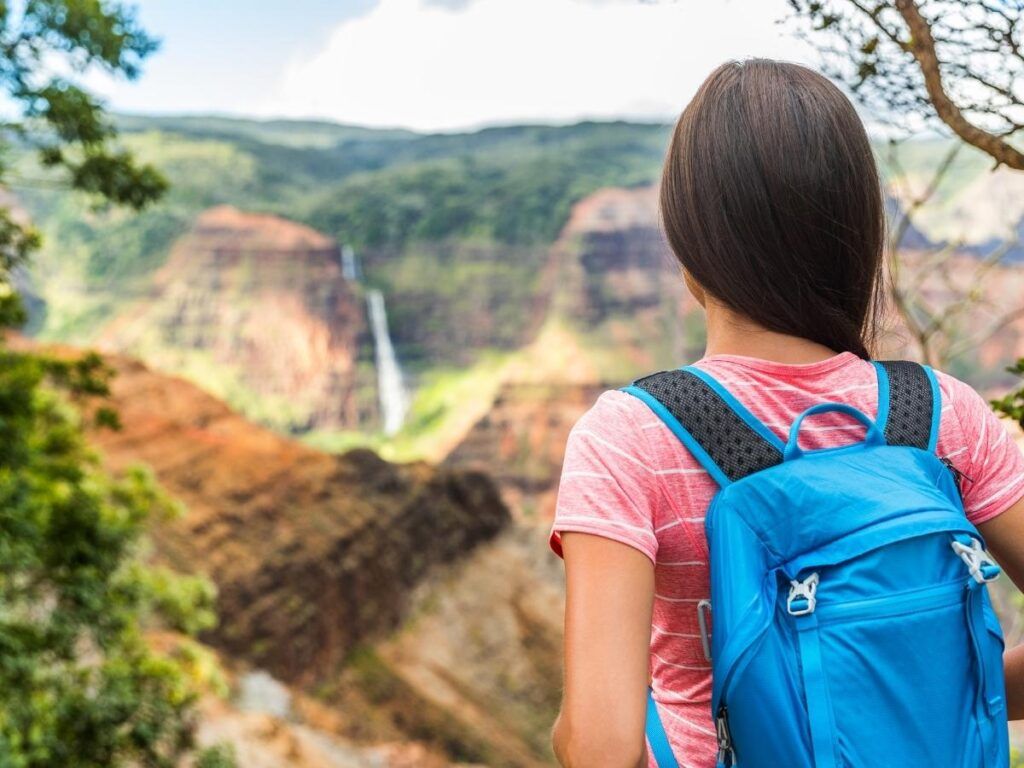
910,404
733,445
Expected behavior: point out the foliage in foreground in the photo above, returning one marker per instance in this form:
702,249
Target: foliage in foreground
81,687
1012,405
954,64
44,44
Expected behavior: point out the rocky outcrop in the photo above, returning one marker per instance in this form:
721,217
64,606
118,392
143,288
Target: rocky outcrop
256,310
618,308
485,645
312,554
619,283
521,441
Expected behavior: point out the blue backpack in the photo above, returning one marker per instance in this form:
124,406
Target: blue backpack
852,622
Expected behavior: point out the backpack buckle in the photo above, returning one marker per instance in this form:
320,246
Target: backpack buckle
703,622
802,595
980,564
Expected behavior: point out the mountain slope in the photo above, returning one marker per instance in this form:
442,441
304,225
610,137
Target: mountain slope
460,232
312,554
256,309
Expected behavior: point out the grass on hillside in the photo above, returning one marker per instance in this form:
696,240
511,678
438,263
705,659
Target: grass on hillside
446,403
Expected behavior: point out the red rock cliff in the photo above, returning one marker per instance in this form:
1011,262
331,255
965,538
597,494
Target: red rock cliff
255,308
311,553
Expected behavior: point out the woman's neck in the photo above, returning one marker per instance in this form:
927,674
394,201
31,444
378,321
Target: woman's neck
730,333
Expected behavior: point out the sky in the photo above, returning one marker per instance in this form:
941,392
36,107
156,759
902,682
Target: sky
443,65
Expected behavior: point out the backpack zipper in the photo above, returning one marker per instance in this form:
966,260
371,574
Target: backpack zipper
958,476
920,599
726,754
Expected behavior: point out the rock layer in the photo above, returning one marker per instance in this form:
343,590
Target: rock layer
312,554
255,308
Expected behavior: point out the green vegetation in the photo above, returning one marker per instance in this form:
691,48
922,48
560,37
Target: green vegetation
447,402
1012,404
513,186
455,229
221,756
82,687
480,207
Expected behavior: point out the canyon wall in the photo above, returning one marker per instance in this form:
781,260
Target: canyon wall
312,554
255,308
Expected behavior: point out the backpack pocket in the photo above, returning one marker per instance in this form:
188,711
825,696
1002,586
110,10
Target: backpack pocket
990,707
900,680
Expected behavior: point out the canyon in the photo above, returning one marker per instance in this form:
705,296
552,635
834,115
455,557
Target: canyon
256,309
311,553
409,612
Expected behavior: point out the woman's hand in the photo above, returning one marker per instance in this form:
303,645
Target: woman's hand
609,598
1004,536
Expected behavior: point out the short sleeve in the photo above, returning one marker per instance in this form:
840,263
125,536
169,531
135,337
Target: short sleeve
607,486
985,452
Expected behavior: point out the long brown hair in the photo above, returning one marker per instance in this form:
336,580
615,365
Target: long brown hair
771,201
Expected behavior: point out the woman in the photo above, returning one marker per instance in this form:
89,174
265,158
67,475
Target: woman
771,202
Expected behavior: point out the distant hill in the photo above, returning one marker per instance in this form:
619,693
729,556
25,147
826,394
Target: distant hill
289,133
452,228
456,230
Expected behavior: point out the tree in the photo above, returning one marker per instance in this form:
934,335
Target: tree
81,687
956,62
65,125
934,290
955,65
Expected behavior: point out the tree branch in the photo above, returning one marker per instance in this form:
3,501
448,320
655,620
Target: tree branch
922,47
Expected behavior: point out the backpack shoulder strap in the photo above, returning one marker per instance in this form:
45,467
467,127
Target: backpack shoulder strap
725,437
909,403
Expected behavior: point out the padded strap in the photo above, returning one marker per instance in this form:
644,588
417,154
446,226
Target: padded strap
913,407
819,707
719,431
657,739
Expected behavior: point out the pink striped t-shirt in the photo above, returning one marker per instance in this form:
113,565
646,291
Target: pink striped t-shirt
627,478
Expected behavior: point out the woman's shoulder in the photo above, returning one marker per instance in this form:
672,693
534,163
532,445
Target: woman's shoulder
981,447
960,400
953,387
615,406
615,416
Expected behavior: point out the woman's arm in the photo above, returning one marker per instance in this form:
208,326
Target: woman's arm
609,598
1004,536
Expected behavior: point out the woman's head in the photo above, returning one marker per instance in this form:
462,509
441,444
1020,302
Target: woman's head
771,201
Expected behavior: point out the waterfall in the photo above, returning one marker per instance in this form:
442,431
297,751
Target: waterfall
394,400
349,264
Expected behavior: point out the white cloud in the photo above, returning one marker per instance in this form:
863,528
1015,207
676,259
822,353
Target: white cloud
423,65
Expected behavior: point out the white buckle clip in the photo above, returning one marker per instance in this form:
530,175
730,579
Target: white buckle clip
802,596
980,564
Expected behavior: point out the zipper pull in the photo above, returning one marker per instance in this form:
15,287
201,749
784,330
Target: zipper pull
726,755
958,476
